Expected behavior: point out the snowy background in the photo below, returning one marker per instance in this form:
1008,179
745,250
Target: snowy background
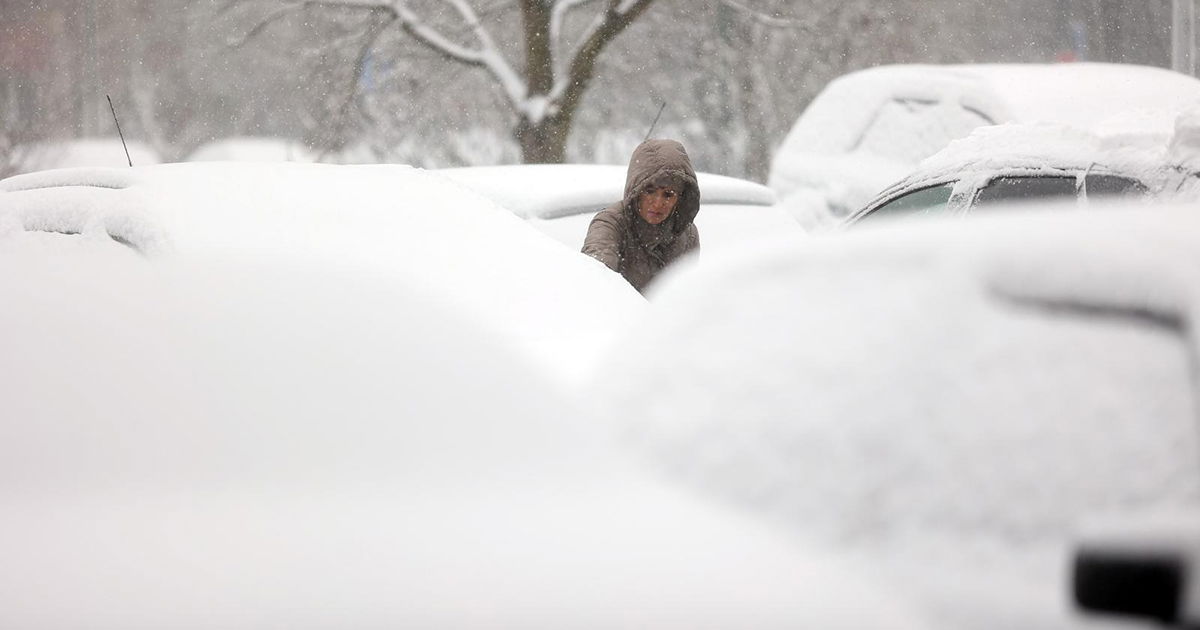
733,75
244,389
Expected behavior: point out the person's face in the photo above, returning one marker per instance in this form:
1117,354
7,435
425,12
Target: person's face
657,203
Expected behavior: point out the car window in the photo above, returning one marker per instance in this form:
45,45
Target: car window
1113,186
911,129
931,200
1015,189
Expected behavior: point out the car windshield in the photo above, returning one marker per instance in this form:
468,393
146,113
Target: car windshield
911,129
930,200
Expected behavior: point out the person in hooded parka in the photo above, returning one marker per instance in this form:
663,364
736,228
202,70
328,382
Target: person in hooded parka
652,226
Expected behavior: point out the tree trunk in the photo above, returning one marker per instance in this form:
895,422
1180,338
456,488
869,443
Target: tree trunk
543,142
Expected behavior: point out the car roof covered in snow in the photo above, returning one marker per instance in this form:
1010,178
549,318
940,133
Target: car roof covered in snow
1082,94
1152,147
946,397
1035,148
548,191
390,222
225,439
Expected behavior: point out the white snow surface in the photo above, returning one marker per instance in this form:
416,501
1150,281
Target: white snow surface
387,223
548,191
228,438
857,114
1056,146
946,400
561,199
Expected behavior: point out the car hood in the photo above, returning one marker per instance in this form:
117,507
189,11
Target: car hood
216,441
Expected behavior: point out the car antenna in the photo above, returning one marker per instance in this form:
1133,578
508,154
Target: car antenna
114,113
651,129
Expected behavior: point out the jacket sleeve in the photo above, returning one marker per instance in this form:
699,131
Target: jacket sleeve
603,240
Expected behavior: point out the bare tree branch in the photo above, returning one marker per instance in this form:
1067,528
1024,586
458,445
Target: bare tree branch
618,15
763,18
360,60
434,39
227,6
808,23
294,6
546,95
489,54
355,4
263,24
559,14
412,24
471,18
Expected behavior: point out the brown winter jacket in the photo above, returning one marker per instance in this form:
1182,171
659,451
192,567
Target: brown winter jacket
623,240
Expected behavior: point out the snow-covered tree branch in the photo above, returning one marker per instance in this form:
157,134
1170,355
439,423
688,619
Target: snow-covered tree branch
546,93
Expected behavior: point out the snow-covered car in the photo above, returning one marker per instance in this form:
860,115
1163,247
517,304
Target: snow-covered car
82,152
947,401
388,222
561,199
869,128
1008,165
271,433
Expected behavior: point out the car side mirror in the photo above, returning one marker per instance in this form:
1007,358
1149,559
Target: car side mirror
1146,567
